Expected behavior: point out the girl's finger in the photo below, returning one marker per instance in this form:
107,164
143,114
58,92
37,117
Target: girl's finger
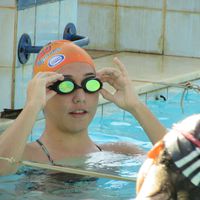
54,78
50,94
44,74
120,65
107,95
110,72
111,82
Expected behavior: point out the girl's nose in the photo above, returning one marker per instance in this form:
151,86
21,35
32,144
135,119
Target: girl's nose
79,96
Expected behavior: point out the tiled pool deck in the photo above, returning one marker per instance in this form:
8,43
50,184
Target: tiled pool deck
149,67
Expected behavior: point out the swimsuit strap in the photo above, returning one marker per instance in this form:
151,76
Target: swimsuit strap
98,147
45,151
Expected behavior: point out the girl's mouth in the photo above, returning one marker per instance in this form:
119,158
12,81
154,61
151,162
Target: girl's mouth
78,113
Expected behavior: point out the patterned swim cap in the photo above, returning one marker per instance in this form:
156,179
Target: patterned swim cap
58,53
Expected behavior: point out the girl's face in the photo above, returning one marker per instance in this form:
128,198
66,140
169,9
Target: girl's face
73,112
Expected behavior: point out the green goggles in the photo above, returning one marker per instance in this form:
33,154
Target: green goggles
67,86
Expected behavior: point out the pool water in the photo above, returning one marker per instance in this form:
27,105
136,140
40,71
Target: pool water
110,125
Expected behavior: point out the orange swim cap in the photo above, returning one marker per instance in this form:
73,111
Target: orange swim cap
58,53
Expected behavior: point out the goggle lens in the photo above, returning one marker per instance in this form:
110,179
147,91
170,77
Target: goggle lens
66,87
92,85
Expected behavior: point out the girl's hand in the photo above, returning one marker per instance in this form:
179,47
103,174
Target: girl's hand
124,96
37,92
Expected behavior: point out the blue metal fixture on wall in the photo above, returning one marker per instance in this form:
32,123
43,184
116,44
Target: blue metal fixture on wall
23,4
25,47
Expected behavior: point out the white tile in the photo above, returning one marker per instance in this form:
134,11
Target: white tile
142,3
97,20
7,3
182,68
68,14
5,87
182,34
184,5
7,18
107,2
22,76
26,24
98,23
47,23
139,30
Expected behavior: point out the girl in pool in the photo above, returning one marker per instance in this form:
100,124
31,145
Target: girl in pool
66,87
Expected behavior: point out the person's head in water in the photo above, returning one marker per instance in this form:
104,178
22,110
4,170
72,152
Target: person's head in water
75,103
172,169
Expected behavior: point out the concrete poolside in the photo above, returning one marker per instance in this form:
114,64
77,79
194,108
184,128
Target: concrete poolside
151,67
148,67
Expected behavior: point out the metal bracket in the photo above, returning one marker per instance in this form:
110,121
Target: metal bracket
25,47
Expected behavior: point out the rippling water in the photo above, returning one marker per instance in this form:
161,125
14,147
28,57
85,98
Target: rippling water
32,183
110,125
